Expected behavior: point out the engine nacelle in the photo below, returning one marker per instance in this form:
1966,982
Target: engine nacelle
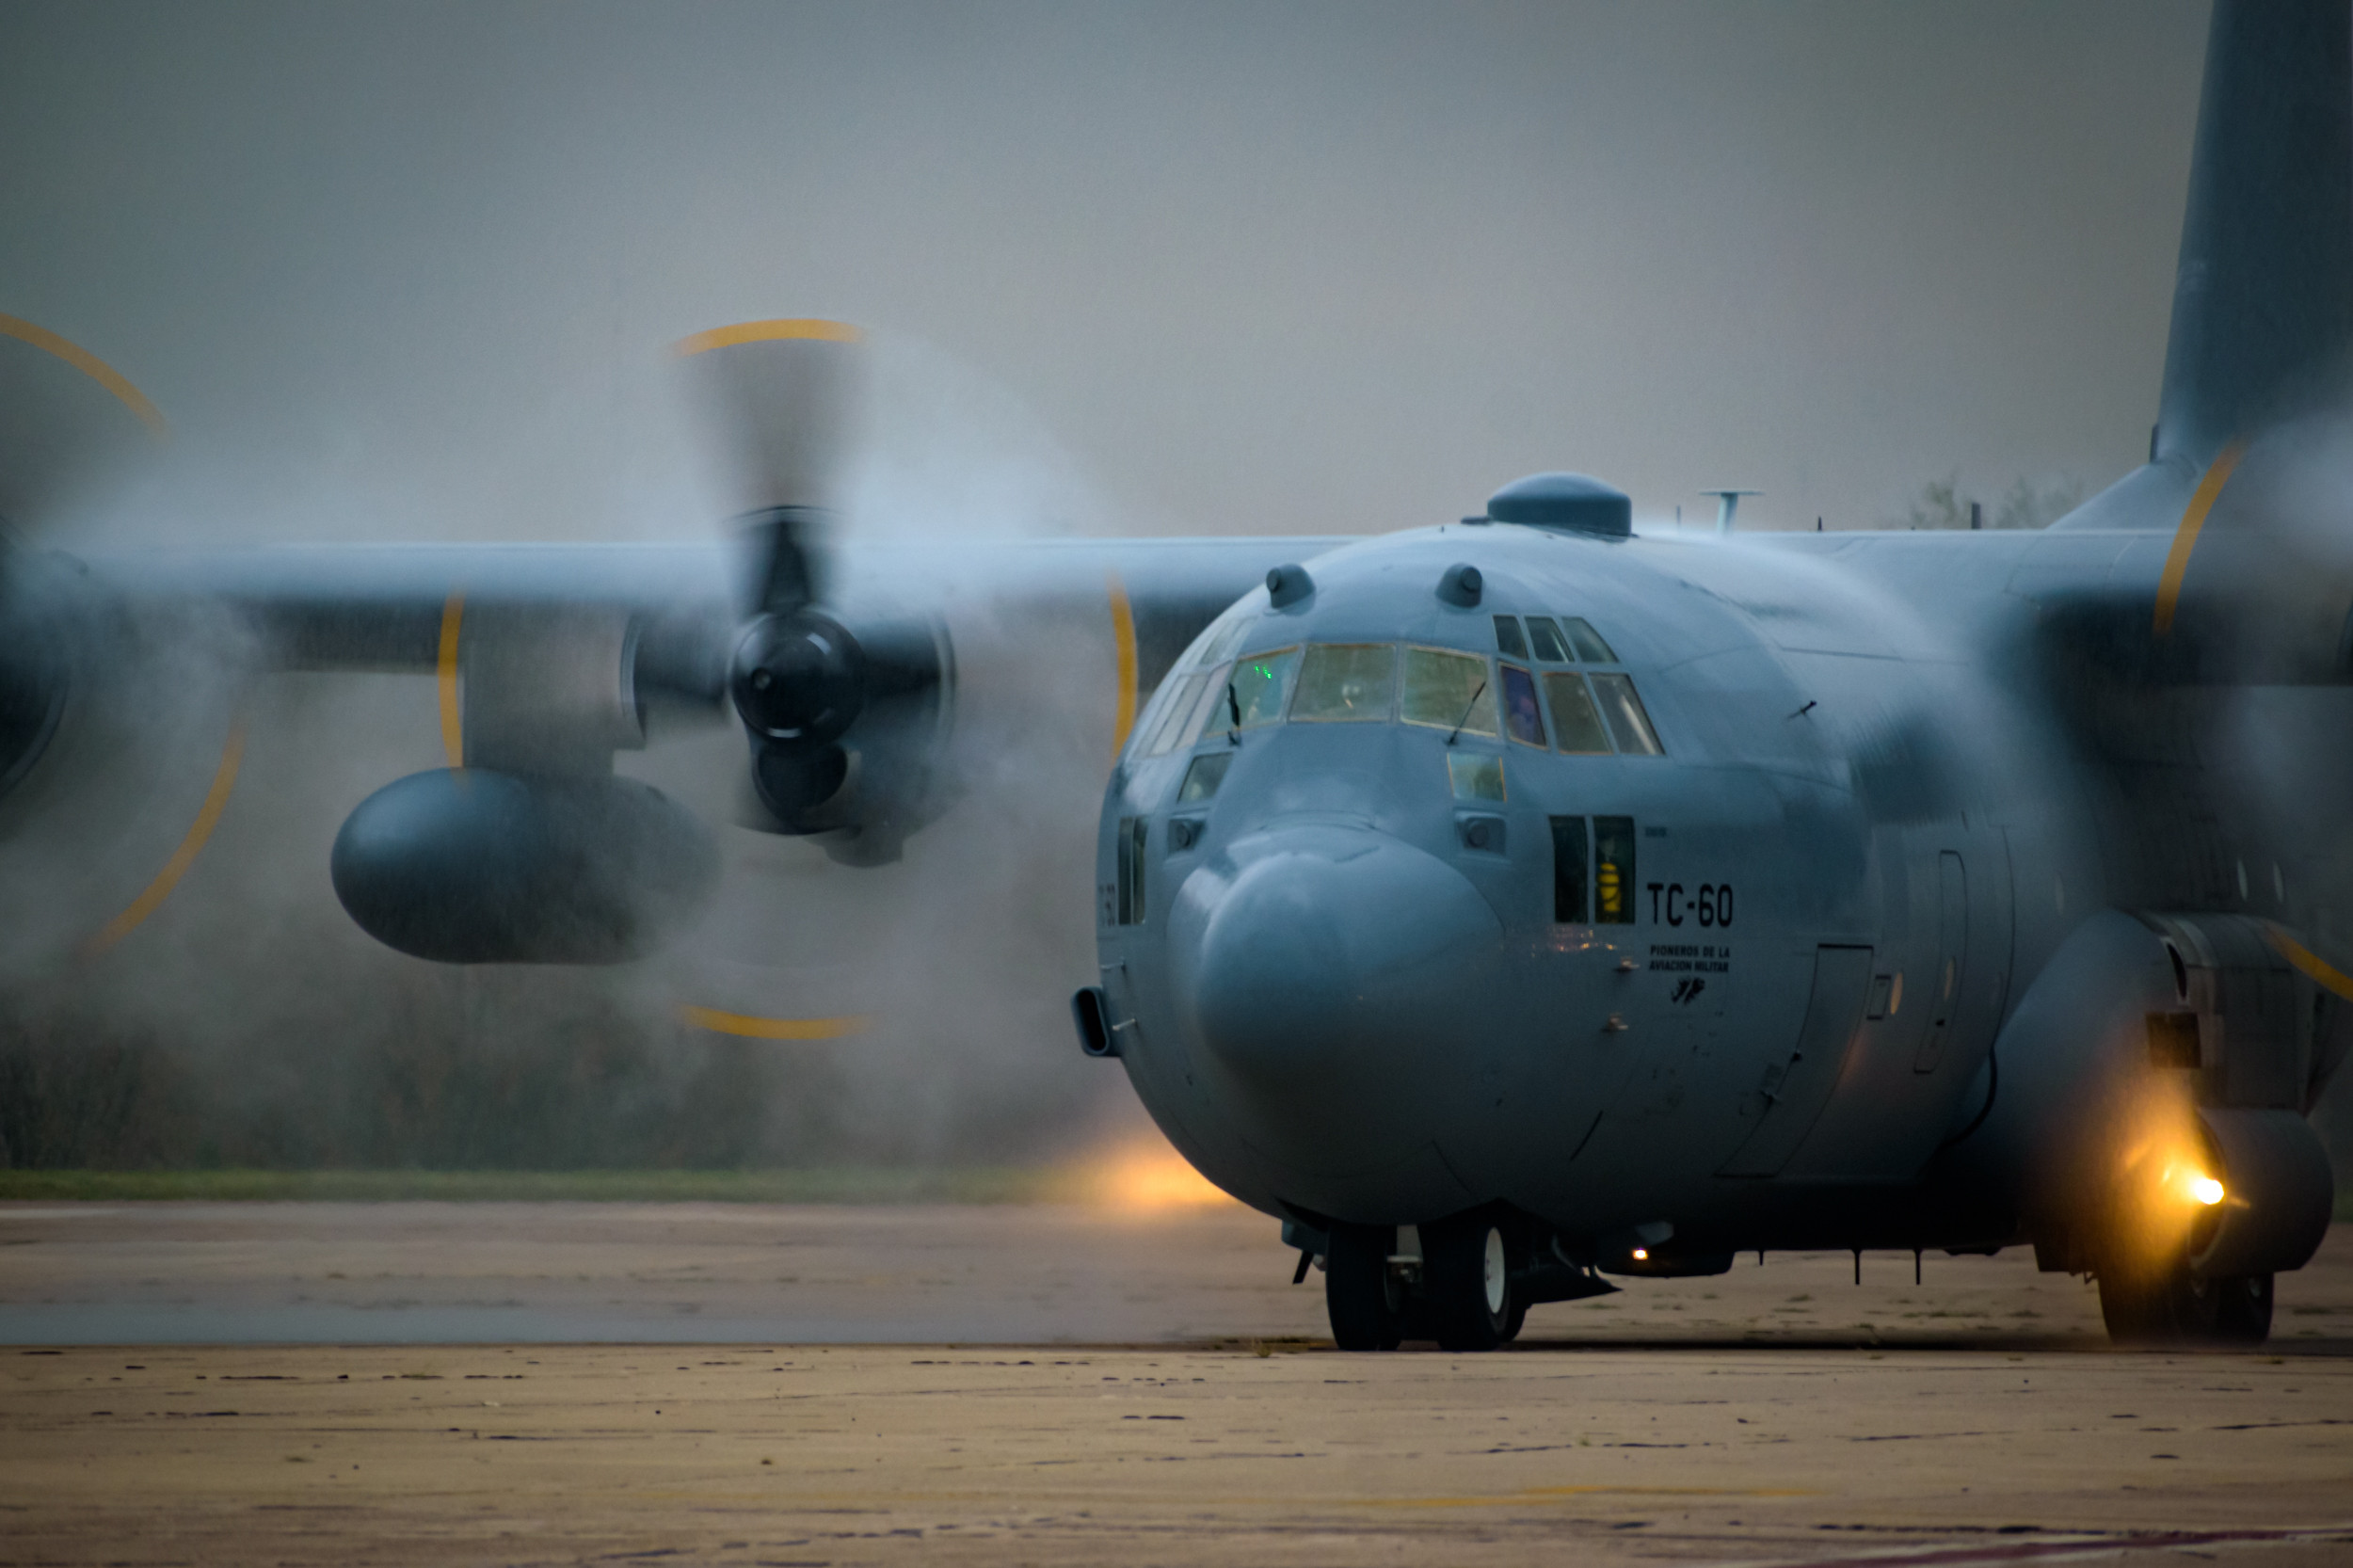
475,866
2147,1101
2278,1191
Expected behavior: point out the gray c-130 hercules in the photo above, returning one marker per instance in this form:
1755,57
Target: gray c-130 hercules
1509,903
1520,900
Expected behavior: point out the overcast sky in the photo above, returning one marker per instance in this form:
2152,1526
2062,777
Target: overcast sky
408,269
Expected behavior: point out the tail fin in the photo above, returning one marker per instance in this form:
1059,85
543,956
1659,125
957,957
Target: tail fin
2263,301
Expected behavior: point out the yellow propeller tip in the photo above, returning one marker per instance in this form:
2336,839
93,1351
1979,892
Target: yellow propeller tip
90,365
768,331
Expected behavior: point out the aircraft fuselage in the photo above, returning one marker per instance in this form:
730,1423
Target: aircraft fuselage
1734,965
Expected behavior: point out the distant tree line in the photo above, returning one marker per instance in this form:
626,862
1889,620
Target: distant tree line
1942,503
592,1087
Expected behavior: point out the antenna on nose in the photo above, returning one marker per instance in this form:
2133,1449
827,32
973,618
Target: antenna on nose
1478,691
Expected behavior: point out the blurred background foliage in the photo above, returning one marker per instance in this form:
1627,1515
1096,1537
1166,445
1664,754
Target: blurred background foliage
588,1085
2027,504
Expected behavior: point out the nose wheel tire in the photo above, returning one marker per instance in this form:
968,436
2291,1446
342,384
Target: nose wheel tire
1360,1291
1466,1284
2177,1308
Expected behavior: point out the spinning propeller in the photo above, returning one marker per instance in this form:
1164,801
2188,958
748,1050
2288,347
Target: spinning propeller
818,688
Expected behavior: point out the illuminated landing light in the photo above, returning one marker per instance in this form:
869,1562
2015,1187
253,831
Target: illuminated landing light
1641,1254
2187,1183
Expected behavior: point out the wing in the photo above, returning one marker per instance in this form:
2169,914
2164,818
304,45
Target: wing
211,762
382,607
547,663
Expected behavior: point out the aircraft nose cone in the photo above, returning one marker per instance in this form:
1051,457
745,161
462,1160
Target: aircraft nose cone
1339,963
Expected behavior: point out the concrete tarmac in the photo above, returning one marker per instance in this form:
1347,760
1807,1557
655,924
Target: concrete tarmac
1088,1389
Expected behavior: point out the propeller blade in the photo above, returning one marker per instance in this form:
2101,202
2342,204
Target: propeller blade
779,397
63,424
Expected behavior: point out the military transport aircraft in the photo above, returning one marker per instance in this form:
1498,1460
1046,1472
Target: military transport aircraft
1517,903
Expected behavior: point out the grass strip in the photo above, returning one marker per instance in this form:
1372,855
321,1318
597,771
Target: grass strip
842,1184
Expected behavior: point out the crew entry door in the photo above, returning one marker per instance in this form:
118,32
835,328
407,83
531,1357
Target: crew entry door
1946,980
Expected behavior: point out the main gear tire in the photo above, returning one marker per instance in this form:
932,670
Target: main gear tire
2242,1311
2177,1308
1466,1282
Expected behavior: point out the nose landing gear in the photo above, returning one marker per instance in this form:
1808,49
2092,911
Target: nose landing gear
1458,1290
1362,1293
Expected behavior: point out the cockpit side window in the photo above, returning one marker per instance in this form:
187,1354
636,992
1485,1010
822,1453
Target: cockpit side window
1508,639
1259,687
1544,638
1168,714
1587,641
1575,722
1628,723
1206,710
1203,777
1449,692
1475,775
1521,716
1344,681
1568,871
1614,870
1128,856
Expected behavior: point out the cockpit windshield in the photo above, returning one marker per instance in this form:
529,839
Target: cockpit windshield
1448,691
1576,712
1341,681
1259,688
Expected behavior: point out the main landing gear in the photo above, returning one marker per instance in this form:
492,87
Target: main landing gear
2173,1306
1456,1289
